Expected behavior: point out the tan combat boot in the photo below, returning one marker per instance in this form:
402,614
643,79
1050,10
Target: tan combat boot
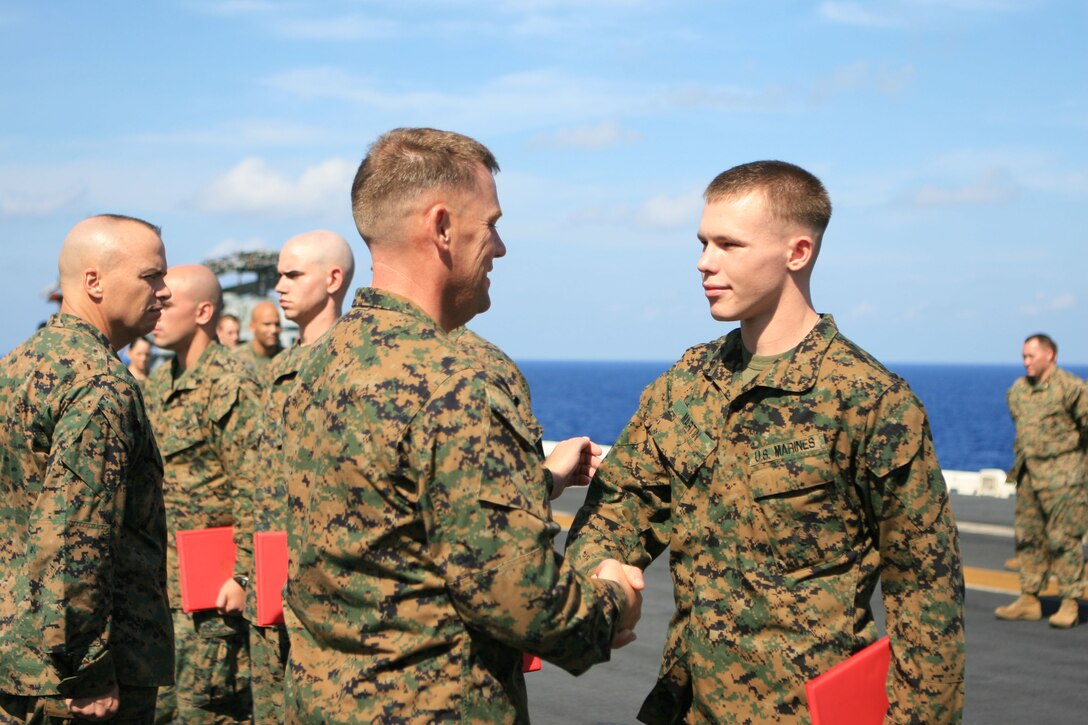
1066,616
1026,607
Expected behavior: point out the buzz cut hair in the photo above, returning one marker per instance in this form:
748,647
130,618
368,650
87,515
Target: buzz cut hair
126,218
405,163
1045,340
792,194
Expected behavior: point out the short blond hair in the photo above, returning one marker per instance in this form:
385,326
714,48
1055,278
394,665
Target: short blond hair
406,162
792,194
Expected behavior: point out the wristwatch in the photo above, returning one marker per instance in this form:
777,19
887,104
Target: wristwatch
242,581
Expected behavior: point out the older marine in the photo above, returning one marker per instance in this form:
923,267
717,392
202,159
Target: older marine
84,621
1049,407
424,561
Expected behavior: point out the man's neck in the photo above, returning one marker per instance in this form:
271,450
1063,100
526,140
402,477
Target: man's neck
188,355
781,331
262,350
1045,375
388,278
91,318
318,325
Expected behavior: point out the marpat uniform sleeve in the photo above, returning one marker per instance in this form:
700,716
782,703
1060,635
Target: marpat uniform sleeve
490,532
75,525
626,514
921,577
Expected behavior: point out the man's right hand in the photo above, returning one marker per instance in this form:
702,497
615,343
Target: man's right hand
98,708
631,580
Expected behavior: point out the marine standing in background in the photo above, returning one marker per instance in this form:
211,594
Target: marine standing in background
205,408
84,620
264,325
1049,407
226,331
315,272
139,356
786,471
425,562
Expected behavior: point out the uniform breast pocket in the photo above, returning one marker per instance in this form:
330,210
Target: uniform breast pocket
801,508
681,443
182,444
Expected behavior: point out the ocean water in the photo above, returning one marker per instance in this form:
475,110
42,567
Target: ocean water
965,403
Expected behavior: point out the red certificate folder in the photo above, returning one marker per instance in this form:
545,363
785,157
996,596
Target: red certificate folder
205,561
270,559
530,663
852,692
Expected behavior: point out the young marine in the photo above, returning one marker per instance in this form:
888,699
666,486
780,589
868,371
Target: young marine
205,408
786,471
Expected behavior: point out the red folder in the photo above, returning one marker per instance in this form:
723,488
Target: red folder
205,561
852,692
530,663
270,560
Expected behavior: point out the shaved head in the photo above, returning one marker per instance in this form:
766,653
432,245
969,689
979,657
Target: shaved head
264,323
263,310
196,283
324,250
98,242
316,269
194,308
111,271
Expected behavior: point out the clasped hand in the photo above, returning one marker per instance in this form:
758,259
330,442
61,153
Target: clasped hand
632,582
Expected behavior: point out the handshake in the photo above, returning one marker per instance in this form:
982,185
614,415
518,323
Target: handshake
631,581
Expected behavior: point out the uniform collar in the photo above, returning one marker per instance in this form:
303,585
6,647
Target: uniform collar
78,324
383,300
796,373
193,377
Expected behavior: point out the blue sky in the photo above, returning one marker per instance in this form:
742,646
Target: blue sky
950,133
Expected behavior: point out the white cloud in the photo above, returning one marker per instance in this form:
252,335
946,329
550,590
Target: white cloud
856,13
1049,303
672,211
354,27
991,187
910,13
861,76
254,187
539,97
236,132
40,204
601,135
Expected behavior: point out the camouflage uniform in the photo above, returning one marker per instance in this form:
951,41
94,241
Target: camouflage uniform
1051,471
500,365
257,364
779,520
425,560
82,527
207,421
269,646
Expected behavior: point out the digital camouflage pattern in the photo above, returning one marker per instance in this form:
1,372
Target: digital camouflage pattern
269,646
208,424
256,364
425,561
82,525
781,501
499,364
1051,471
